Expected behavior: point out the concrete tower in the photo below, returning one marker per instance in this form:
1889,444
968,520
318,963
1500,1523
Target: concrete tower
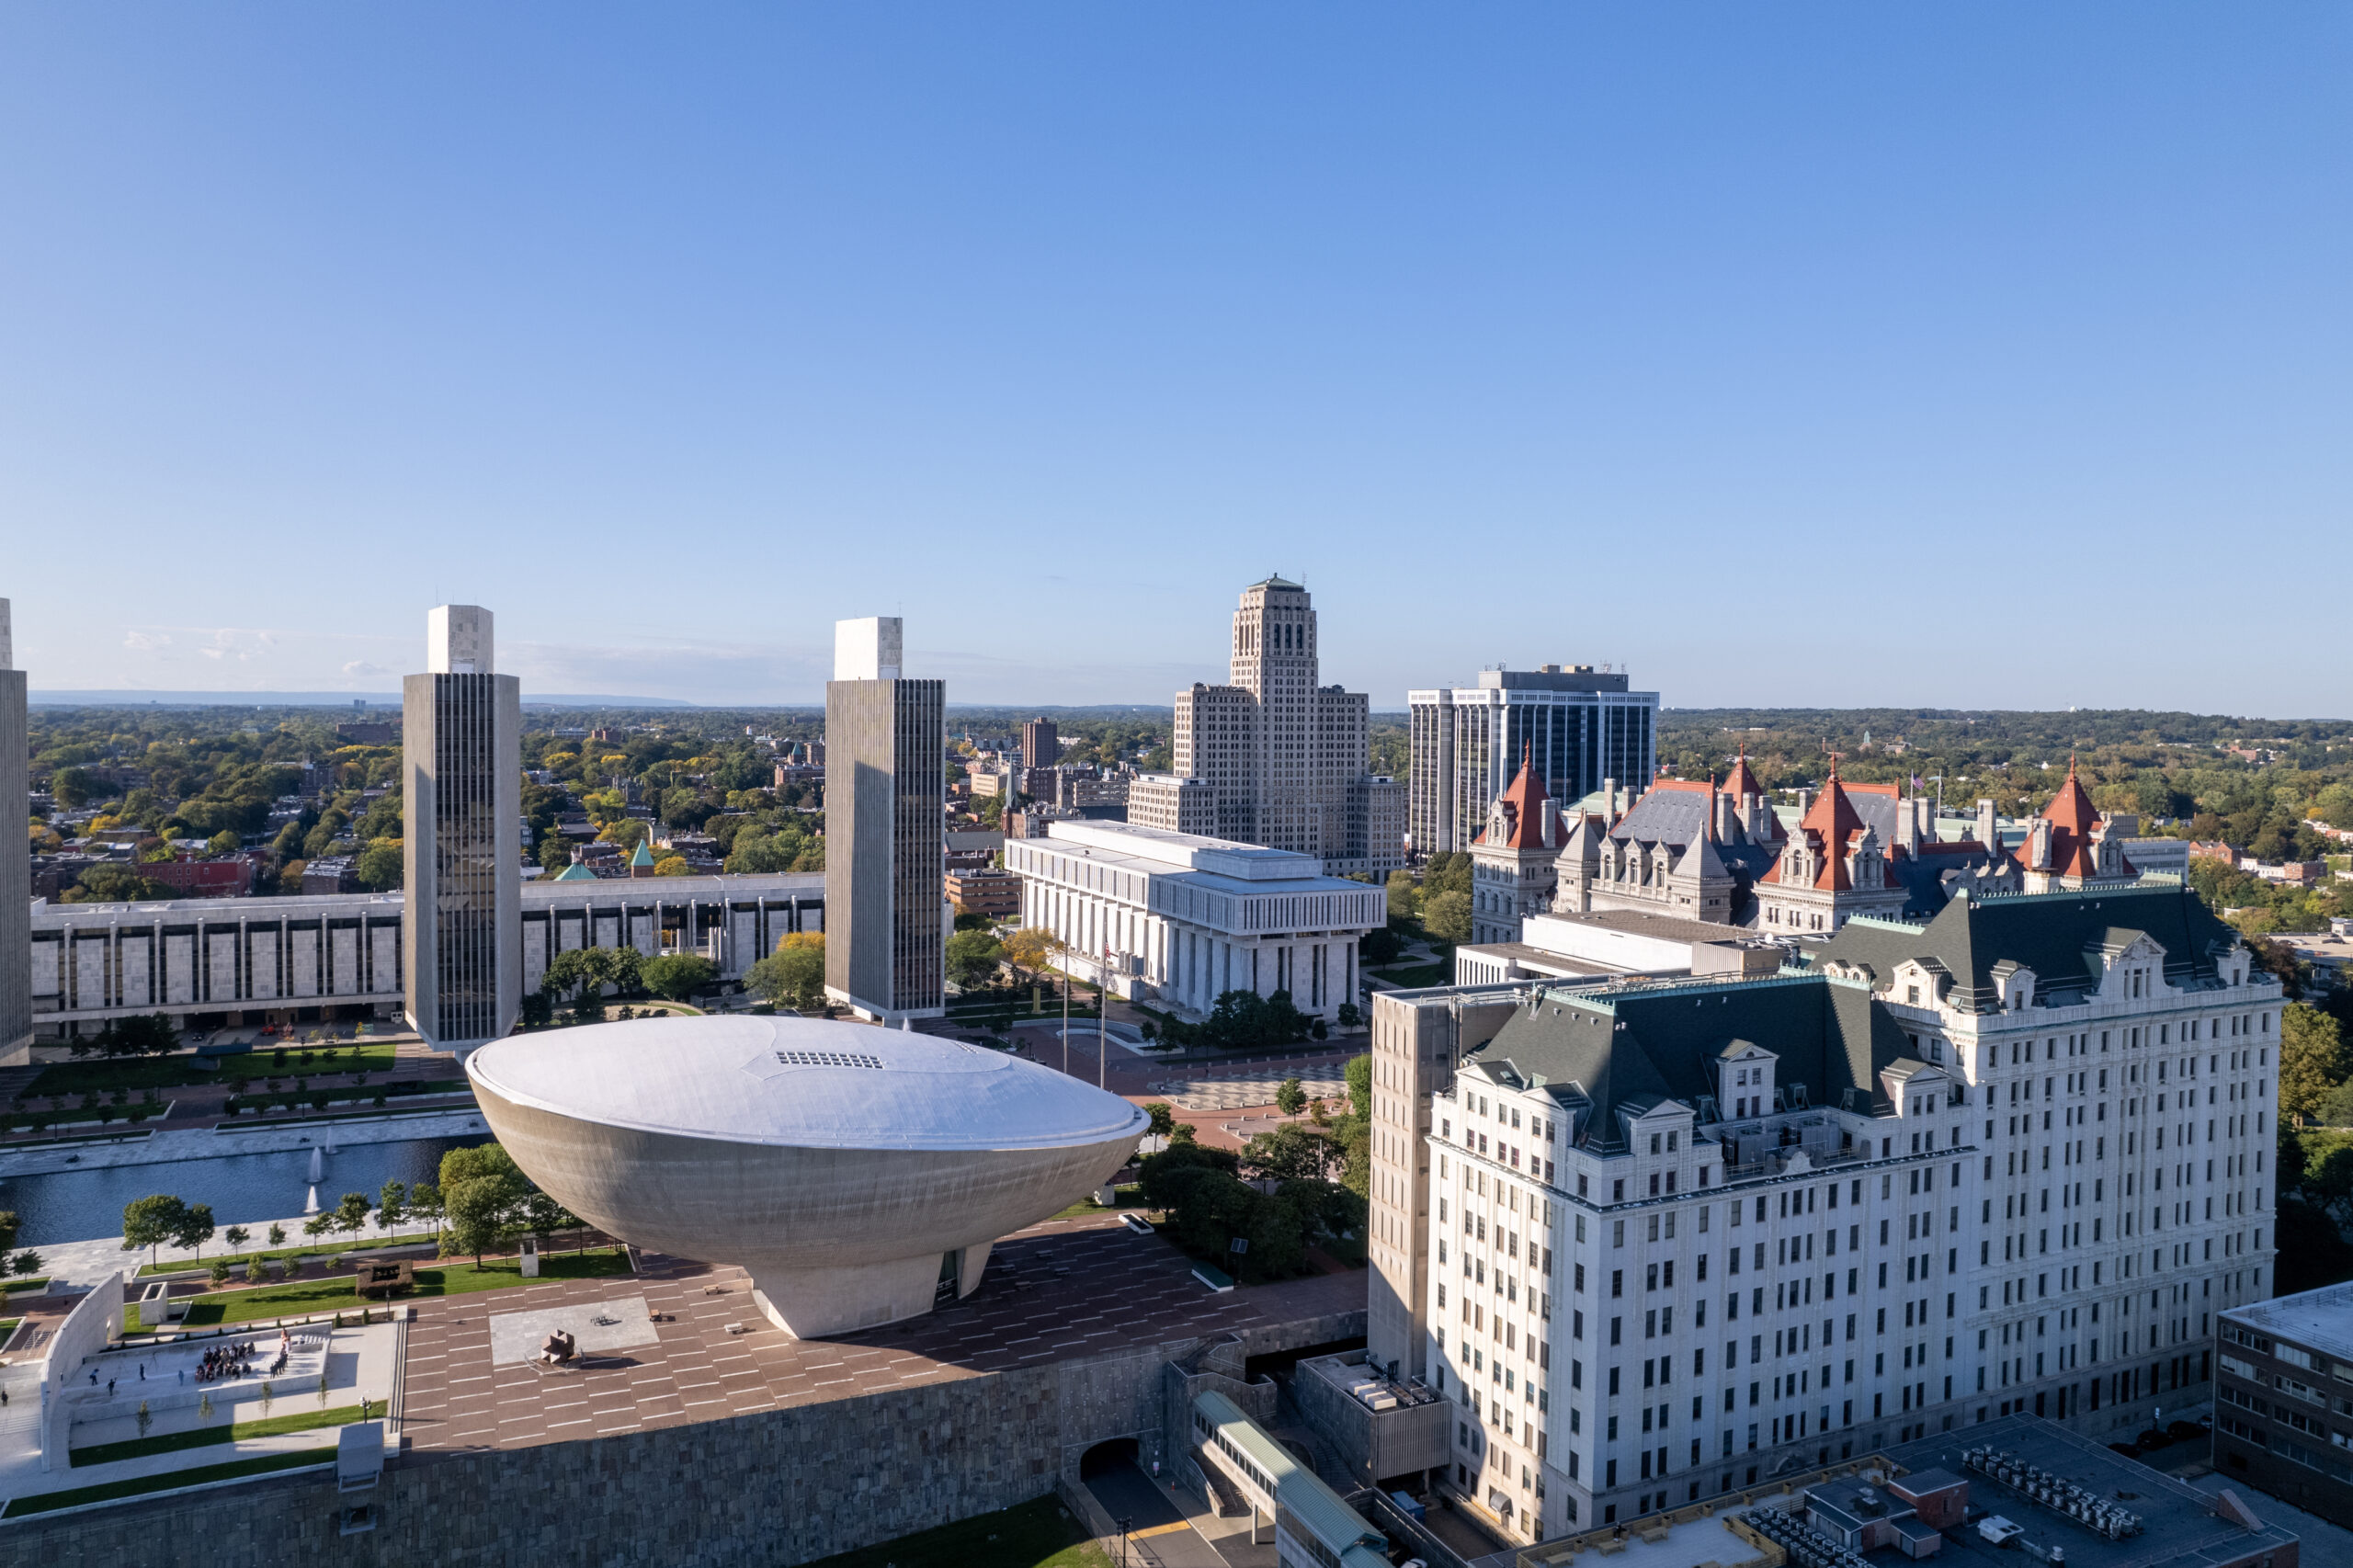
16,866
886,919
462,730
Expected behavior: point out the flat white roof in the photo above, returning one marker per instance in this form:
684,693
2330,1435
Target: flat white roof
2318,1320
802,1083
1186,851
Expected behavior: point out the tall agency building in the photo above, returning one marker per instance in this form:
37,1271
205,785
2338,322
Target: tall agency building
1273,758
885,859
461,732
1577,724
16,863
1661,1240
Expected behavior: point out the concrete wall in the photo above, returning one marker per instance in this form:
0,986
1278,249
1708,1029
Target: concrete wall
93,1319
1375,1445
761,1491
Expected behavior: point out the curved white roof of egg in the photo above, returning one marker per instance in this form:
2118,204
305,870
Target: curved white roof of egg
802,1083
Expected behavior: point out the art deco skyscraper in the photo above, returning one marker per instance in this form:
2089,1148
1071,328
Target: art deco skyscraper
461,731
886,919
16,866
1284,758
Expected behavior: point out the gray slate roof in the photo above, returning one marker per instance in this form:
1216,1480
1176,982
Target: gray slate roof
2052,934
1830,1036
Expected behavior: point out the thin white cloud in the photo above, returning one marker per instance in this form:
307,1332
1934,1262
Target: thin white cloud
145,641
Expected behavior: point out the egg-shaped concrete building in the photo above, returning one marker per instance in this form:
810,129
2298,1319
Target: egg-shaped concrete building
858,1174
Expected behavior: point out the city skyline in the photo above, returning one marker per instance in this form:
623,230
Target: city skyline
683,337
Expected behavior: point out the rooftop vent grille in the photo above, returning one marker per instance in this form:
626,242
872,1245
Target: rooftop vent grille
826,1059
2053,1492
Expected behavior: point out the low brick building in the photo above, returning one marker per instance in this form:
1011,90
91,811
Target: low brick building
2283,1399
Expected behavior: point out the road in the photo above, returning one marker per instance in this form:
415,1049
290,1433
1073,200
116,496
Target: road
1159,1533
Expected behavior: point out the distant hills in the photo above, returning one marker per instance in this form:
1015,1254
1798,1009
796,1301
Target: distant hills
308,699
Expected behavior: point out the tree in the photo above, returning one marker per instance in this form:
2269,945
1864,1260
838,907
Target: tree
151,1222
424,1204
1164,1118
1446,871
350,1215
1028,949
71,787
972,957
114,884
1404,897
391,1206
378,867
477,1213
793,976
2312,1059
542,1215
1446,915
278,1235
673,866
223,843
1290,1097
1289,1152
678,976
555,852
236,1236
480,1190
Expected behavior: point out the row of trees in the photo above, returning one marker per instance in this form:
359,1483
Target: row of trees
481,1200
149,1034
579,977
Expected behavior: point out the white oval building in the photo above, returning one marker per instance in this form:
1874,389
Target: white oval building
858,1174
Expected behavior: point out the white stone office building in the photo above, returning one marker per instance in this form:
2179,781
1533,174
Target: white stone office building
1280,760
1662,1240
339,955
1179,920
462,763
1582,727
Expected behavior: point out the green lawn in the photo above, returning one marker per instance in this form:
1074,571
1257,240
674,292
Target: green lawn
98,1076
1034,1535
7,1327
111,1490
38,1282
261,1062
237,1260
1415,976
206,1437
334,1293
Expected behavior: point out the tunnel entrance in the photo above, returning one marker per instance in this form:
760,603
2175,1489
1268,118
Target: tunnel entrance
1106,1457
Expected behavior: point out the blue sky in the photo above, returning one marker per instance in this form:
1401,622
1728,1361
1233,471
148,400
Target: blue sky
1989,355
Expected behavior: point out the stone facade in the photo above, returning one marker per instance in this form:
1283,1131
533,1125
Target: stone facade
1285,759
777,1487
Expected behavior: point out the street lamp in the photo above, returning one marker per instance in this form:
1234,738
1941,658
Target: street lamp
1125,1526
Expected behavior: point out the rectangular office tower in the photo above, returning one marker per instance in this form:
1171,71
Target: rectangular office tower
1579,725
885,857
461,732
16,867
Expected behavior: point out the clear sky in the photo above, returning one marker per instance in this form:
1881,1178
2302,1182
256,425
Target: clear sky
1994,355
